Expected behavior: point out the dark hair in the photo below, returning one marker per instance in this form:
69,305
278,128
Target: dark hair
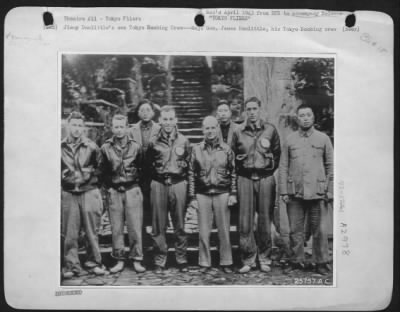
75,115
167,108
223,102
145,101
252,99
303,106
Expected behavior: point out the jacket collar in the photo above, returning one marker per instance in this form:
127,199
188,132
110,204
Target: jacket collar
82,140
307,133
143,125
213,144
113,140
226,125
249,126
162,135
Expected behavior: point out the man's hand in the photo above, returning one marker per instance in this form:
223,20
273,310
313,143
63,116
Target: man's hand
232,200
195,204
285,198
329,197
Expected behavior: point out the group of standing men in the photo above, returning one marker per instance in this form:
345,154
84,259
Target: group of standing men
153,165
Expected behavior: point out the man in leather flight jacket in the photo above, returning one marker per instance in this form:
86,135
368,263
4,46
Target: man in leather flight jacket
257,148
81,202
121,168
212,188
169,155
306,183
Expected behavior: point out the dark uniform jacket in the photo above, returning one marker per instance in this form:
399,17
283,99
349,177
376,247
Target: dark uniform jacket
79,165
212,169
121,165
232,128
136,134
257,150
306,169
169,157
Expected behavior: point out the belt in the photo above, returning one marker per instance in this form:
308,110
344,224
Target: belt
167,179
122,187
255,176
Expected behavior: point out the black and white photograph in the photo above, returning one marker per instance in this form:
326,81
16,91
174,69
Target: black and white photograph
198,158
185,170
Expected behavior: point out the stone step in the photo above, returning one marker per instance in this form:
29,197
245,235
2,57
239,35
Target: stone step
192,125
191,111
188,101
191,132
188,88
108,249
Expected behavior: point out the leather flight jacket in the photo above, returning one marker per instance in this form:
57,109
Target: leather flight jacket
257,149
121,165
212,169
79,165
169,157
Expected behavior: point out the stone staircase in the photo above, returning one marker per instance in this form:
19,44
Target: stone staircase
191,97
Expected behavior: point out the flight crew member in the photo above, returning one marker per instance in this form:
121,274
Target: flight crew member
121,171
306,183
226,125
257,148
81,202
169,155
212,188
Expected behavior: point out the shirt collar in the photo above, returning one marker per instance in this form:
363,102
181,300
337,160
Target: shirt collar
81,140
146,126
307,133
113,140
258,125
163,135
213,143
227,125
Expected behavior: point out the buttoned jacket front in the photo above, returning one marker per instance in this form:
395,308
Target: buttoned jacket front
232,128
169,156
306,169
79,164
136,134
121,164
257,150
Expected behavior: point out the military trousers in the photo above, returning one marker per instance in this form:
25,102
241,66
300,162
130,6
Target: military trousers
317,213
211,206
126,206
80,210
168,199
255,196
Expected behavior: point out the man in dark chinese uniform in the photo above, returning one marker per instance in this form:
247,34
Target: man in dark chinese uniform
169,155
142,132
226,125
306,183
212,189
257,148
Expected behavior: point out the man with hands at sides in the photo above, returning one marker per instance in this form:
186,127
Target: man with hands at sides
212,189
306,183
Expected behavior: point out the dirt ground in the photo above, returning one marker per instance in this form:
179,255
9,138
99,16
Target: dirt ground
173,277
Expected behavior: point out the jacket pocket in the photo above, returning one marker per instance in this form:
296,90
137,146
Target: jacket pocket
263,160
291,189
294,152
321,187
318,150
